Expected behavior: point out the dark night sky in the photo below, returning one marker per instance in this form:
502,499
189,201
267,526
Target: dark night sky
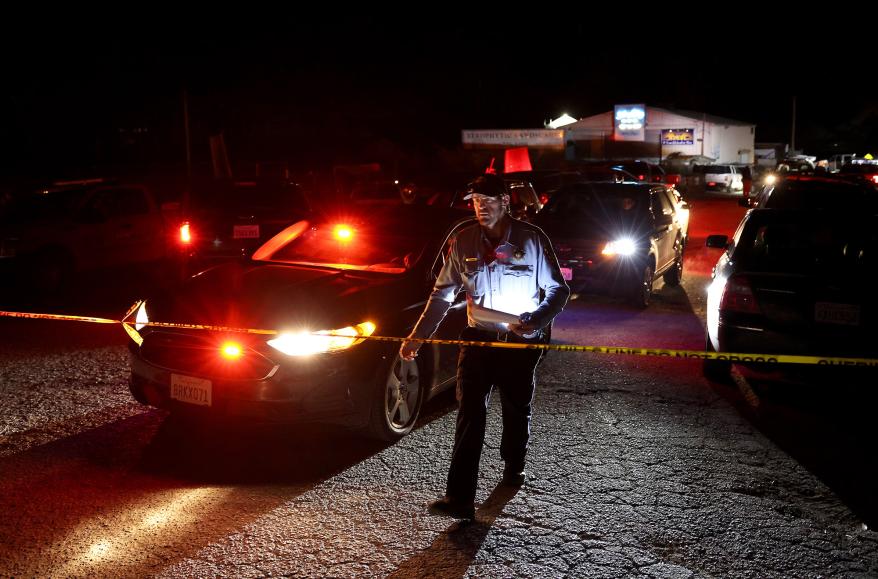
320,91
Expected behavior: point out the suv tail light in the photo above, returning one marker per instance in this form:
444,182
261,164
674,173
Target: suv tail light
672,179
738,296
185,233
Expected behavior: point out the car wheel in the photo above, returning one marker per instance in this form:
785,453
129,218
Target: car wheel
719,371
642,292
399,395
674,275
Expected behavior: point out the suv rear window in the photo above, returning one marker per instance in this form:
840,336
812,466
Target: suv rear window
235,196
712,169
791,194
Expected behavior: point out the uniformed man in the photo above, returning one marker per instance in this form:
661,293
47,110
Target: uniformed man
504,265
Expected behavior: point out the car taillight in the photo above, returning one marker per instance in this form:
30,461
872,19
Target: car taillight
185,233
738,296
672,179
544,199
711,183
873,178
641,177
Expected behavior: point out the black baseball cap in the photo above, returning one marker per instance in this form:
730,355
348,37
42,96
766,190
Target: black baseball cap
487,185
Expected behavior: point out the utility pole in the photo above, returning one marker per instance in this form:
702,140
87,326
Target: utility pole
186,132
793,132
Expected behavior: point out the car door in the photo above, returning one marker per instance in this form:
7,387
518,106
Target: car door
665,227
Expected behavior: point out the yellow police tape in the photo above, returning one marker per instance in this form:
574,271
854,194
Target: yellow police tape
659,352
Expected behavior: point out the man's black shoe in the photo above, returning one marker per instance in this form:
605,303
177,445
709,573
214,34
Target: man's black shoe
514,478
449,507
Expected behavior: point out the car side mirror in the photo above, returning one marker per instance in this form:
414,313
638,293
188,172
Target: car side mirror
717,241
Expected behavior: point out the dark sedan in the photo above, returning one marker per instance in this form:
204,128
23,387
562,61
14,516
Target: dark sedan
616,237
795,282
223,219
353,274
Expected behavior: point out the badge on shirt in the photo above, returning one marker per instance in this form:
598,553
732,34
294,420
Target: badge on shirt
472,264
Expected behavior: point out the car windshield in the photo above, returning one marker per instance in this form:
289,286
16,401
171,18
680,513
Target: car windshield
248,195
376,190
582,203
377,245
712,169
46,204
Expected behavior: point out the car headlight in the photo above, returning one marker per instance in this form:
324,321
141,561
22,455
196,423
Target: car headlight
141,319
623,246
307,343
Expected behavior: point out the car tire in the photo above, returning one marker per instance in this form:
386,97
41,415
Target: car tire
719,371
641,293
674,276
398,397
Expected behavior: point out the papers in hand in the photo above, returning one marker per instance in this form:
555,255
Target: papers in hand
489,316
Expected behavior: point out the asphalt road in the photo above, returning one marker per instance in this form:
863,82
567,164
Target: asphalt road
638,467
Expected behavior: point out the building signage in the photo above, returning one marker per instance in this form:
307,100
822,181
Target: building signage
549,138
678,136
629,122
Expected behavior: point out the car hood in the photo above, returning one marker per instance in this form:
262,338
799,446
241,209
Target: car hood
277,297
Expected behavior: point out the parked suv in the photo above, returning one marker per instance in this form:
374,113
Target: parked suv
726,178
223,220
615,237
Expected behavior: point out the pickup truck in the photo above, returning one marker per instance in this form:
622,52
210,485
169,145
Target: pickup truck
50,234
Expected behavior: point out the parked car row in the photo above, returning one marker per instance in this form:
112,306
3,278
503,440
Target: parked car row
265,258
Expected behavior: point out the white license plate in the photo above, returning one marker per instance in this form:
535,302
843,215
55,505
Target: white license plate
567,273
245,232
190,389
843,314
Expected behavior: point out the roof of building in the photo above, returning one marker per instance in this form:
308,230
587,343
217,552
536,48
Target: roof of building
696,116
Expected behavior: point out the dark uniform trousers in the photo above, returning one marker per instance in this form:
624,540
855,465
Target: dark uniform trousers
479,369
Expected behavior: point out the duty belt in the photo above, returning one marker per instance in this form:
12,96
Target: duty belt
481,335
